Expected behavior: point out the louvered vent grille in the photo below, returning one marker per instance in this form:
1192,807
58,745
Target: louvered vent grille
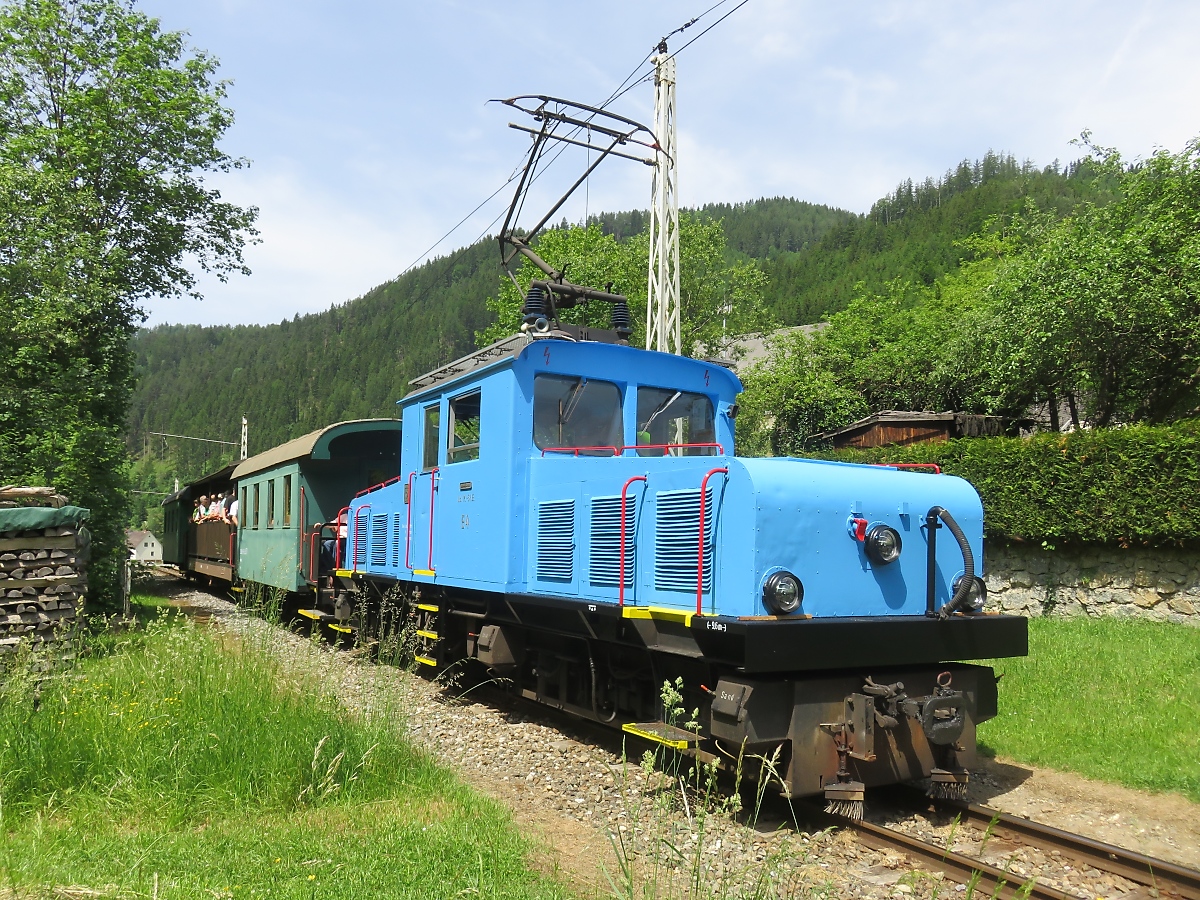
556,540
604,562
677,540
359,550
379,536
397,533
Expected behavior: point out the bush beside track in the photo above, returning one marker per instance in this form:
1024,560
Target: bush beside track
1138,485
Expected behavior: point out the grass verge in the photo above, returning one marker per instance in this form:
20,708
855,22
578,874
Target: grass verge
1112,699
190,763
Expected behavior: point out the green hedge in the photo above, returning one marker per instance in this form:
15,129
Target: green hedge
1137,485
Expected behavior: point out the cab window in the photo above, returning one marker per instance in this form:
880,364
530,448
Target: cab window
432,422
569,411
463,433
670,417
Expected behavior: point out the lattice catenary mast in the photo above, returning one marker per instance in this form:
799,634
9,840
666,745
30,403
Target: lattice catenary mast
662,307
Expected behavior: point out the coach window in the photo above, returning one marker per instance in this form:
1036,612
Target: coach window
666,416
243,509
463,433
257,495
432,422
287,501
573,412
271,503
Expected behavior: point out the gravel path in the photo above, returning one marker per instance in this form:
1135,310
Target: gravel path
573,794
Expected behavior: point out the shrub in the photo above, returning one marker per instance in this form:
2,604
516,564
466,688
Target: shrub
1135,485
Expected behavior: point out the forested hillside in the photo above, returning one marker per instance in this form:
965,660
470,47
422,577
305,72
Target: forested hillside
913,233
355,359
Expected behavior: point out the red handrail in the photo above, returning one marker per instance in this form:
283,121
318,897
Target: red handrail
619,451
408,522
432,490
937,470
577,450
673,446
700,556
354,553
621,567
376,487
232,564
337,540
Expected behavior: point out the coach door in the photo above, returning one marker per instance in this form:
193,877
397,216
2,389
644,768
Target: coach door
421,494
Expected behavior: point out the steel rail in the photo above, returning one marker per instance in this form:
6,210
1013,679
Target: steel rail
989,880
1165,877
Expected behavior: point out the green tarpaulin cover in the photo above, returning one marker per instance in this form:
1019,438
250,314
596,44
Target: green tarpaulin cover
31,518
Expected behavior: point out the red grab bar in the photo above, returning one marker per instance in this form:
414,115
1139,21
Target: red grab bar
432,490
577,450
665,447
700,555
354,553
408,522
337,537
621,568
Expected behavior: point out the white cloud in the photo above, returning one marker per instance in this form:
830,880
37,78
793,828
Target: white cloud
315,250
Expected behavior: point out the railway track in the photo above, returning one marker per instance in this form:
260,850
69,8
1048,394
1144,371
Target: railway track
1150,877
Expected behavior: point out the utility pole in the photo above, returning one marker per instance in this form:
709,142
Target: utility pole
662,307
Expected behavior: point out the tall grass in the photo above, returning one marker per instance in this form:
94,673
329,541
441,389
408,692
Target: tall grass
190,762
192,727
1113,699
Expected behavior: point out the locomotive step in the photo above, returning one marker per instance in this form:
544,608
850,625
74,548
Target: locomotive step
426,661
324,618
662,733
431,635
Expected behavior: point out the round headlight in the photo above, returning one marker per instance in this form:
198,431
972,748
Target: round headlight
783,593
976,596
883,545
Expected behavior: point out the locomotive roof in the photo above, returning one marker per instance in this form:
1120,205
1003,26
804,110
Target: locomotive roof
503,349
314,445
511,347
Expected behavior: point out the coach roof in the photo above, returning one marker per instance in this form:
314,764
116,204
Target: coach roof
314,445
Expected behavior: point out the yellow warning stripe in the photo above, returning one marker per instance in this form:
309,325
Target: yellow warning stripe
425,660
658,612
432,635
631,728
428,607
344,629
428,572
344,573
314,614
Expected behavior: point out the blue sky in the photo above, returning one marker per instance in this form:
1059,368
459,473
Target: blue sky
370,136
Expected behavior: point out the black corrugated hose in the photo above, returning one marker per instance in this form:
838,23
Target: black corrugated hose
968,580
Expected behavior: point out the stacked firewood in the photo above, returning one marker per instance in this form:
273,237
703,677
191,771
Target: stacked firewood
43,574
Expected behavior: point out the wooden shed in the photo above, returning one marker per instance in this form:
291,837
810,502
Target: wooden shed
903,427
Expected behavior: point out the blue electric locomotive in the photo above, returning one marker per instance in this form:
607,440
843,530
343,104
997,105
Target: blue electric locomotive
569,513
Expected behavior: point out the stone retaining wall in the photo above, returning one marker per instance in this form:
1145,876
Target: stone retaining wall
1163,585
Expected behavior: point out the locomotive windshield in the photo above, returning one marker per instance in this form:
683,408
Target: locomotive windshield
577,412
667,417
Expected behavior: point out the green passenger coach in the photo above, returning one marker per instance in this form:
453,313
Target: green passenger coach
288,492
